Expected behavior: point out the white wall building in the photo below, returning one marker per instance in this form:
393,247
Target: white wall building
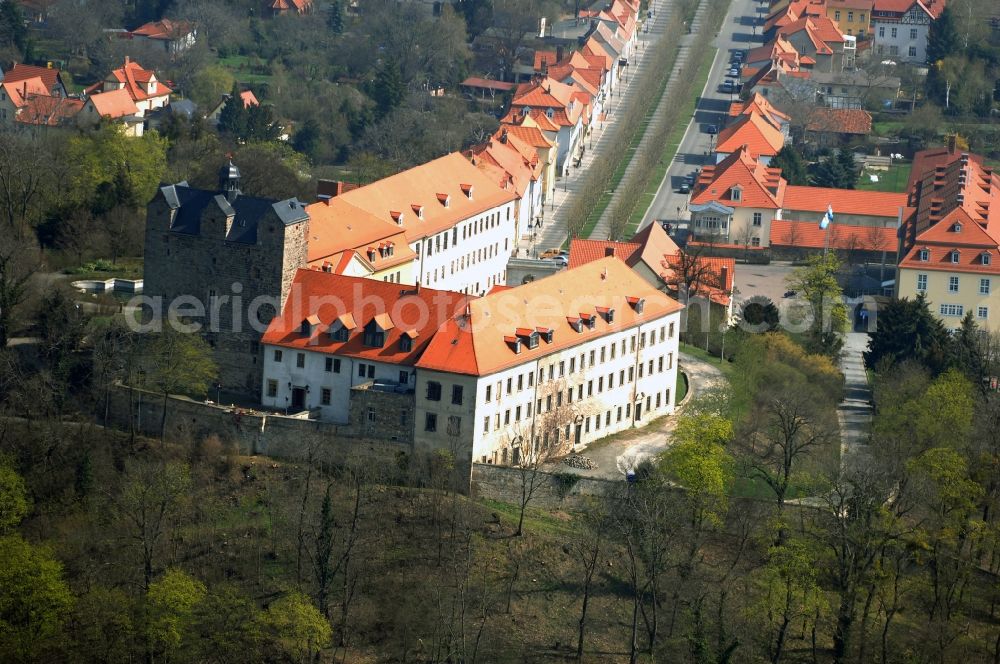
900,28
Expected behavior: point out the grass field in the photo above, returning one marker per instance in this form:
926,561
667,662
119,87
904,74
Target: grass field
894,179
245,69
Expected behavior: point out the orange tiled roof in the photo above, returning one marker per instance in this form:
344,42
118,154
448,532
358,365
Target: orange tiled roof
135,78
336,226
249,99
114,104
164,29
717,276
940,240
334,297
21,72
583,251
902,6
840,121
544,59
419,186
752,130
808,235
49,110
481,343
844,201
532,136
763,187
20,91
507,158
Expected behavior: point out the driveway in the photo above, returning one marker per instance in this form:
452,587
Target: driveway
620,452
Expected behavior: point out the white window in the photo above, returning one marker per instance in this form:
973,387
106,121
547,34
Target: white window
951,310
894,32
913,34
921,283
954,256
881,31
924,255
755,242
984,286
952,284
894,50
983,312
758,218
985,258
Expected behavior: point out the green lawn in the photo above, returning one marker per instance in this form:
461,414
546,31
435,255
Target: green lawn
894,179
246,69
726,367
682,387
886,127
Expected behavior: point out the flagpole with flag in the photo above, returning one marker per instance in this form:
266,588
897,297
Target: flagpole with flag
824,225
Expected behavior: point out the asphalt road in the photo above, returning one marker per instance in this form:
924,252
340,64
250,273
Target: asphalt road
695,150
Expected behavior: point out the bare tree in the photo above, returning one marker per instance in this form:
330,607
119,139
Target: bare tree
25,176
514,22
585,551
19,260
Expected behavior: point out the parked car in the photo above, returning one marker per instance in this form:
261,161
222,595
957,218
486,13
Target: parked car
728,87
553,253
684,188
691,177
734,72
711,130
560,259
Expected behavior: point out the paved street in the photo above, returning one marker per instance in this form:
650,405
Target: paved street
737,33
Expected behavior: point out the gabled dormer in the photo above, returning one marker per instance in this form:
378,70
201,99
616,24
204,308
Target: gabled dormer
736,193
418,210
396,216
467,190
637,303
340,330
444,199
376,330
309,325
528,336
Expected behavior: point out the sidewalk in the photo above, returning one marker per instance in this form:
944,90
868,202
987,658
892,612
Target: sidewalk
553,232
855,412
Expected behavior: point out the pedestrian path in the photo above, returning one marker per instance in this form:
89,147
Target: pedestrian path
855,412
553,232
602,229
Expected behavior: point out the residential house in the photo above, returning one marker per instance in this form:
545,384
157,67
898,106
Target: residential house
950,251
785,12
290,7
752,131
509,166
116,106
653,255
833,126
458,221
143,88
529,136
549,366
900,28
735,201
818,39
14,97
166,35
51,77
561,105
248,97
759,105
853,17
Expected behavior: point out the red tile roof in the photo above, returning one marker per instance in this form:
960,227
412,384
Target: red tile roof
20,91
165,29
249,99
840,121
760,137
336,226
583,251
763,187
844,201
418,187
481,343
21,72
114,104
902,6
971,241
334,297
808,235
49,110
544,59
135,79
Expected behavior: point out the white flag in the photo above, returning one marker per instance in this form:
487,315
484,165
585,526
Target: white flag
827,218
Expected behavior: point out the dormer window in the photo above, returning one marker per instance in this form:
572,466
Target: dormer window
514,343
374,337
576,324
418,210
956,227
924,255
467,190
954,256
341,328
405,344
396,217
444,199
637,303
341,334
590,320
545,333
549,113
607,313
308,325
985,258
736,193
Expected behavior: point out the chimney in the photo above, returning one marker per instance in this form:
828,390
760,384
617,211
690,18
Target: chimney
725,277
609,251
127,60
952,143
559,53
324,198
503,135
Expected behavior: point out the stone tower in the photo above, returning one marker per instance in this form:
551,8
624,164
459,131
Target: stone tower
228,260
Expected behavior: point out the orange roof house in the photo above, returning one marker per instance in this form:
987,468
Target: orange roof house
484,338
854,202
51,77
840,122
29,101
556,99
760,138
167,35
282,7
759,104
760,186
141,85
113,104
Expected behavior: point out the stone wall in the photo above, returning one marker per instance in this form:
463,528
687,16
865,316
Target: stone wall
522,270
554,491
